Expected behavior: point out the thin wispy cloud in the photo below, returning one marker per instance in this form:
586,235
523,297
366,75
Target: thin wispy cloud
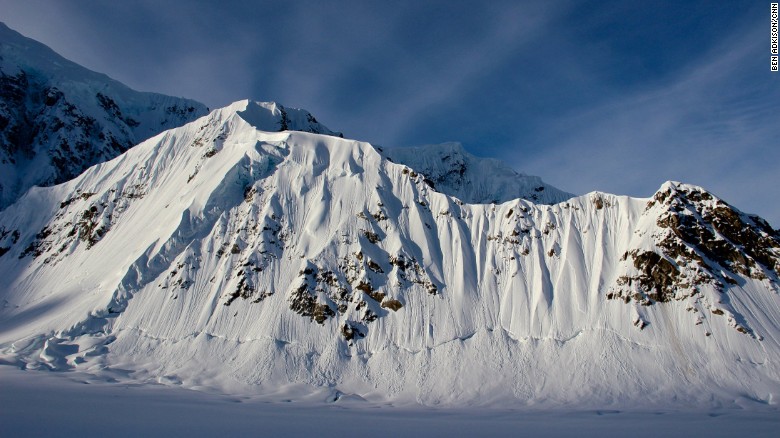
393,83
707,125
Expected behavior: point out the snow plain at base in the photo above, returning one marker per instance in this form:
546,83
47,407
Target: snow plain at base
34,403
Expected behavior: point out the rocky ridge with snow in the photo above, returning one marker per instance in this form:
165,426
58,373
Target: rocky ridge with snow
221,254
58,118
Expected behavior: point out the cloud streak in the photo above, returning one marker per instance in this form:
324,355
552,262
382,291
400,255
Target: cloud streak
709,125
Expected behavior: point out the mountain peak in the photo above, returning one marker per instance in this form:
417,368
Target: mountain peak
272,117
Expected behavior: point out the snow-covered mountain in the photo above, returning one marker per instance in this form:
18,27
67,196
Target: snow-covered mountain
58,118
222,255
450,169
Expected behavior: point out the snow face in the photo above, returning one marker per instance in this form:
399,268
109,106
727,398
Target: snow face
58,118
218,255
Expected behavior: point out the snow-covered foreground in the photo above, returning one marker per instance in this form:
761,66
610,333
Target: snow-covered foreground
69,404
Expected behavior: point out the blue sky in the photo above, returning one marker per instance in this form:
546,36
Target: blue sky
617,96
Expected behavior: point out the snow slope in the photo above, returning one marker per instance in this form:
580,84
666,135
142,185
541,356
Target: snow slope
58,118
217,255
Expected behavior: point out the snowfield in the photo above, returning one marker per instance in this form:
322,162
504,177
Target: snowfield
71,404
225,257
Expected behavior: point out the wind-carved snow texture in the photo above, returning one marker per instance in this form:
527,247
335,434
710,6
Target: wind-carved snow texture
58,118
220,255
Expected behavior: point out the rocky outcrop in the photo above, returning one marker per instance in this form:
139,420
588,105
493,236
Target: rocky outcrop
700,242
